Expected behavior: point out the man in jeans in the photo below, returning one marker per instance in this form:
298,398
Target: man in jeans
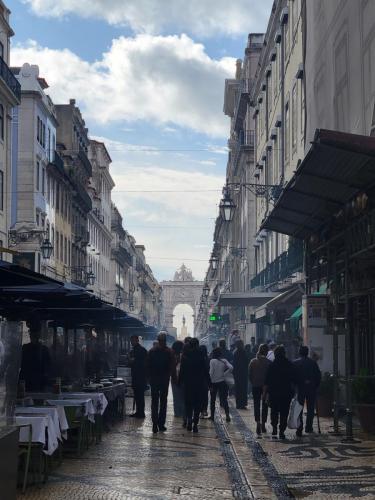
160,368
258,368
308,377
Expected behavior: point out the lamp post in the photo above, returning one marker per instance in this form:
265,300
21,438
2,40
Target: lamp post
206,290
227,207
214,261
46,249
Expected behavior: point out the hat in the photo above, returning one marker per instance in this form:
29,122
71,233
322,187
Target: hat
272,343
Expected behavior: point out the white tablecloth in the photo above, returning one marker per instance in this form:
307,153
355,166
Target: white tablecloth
39,423
98,399
85,404
57,414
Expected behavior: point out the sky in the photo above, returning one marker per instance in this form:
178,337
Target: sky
149,77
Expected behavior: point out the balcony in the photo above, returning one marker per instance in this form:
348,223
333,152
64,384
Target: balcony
82,196
242,100
85,161
283,267
120,253
245,142
11,81
58,163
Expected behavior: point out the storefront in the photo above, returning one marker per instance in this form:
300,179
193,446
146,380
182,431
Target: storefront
330,204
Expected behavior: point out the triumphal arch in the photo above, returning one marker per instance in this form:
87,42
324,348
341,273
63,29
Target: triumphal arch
183,289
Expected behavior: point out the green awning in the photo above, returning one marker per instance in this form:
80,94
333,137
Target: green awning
297,314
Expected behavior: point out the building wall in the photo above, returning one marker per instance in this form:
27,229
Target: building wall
278,98
340,66
8,101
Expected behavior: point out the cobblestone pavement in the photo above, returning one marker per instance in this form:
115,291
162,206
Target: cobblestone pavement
222,461
132,463
318,466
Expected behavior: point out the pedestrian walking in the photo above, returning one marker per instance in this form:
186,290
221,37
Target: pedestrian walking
279,387
240,370
160,368
218,367
137,359
258,369
194,378
271,348
177,390
206,383
234,336
308,377
226,353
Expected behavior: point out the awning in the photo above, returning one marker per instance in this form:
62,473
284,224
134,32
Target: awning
279,302
297,314
337,167
25,295
239,299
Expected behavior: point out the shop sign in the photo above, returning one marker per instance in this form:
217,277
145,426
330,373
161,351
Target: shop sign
315,310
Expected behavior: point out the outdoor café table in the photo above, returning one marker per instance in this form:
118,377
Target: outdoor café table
39,424
57,414
86,404
98,398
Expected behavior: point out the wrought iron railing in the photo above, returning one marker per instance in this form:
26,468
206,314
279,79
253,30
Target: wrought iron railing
283,267
11,81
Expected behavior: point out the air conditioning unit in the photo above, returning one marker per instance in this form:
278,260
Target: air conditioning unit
278,121
273,134
269,145
273,55
264,85
277,36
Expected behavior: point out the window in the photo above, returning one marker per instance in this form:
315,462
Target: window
37,218
1,249
294,117
37,176
57,204
1,190
57,246
41,132
43,180
287,132
1,122
1,50
65,250
49,151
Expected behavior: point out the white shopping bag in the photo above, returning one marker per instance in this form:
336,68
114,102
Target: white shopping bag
294,414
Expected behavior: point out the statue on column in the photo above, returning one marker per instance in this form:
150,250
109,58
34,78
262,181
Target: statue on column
184,331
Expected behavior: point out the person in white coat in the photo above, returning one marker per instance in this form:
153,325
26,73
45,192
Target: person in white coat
218,367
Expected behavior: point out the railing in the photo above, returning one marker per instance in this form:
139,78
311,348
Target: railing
282,267
85,161
11,81
58,161
82,194
246,140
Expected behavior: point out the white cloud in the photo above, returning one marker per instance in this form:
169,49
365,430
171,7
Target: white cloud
210,163
164,80
203,18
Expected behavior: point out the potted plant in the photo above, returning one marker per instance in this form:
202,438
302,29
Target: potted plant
325,395
364,395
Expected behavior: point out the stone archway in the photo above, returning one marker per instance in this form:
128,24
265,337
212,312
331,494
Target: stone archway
183,289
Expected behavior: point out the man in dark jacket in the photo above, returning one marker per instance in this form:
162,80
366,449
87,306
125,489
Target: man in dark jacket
227,354
35,362
280,380
138,356
160,368
194,377
308,377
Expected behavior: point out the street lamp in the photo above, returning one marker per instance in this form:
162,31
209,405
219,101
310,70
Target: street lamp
46,248
90,277
206,290
227,207
214,261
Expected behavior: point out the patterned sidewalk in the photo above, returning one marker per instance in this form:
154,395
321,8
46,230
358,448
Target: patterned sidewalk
318,466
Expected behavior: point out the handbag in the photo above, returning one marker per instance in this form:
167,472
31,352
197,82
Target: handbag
294,414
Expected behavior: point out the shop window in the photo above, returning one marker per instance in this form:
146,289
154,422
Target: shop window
37,176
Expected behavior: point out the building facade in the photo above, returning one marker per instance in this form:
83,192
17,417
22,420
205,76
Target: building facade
10,96
34,205
72,146
99,220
